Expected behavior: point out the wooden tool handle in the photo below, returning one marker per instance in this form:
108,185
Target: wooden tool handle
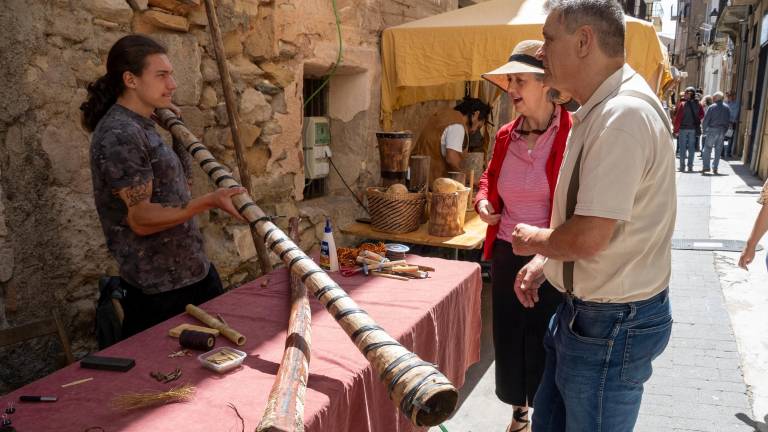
212,322
390,276
373,256
378,264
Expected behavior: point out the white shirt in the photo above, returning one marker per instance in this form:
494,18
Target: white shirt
452,138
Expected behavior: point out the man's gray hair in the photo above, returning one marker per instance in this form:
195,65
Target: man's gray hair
606,17
718,96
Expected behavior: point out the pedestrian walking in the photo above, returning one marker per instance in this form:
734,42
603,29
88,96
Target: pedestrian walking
687,127
716,122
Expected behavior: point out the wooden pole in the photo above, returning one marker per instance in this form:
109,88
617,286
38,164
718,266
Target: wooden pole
424,395
285,406
234,122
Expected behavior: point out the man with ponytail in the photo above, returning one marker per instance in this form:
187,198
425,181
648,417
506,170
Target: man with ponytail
141,188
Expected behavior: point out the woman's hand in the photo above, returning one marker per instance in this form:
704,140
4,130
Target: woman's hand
487,213
747,255
528,281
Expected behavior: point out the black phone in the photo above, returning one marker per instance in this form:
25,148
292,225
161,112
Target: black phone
107,363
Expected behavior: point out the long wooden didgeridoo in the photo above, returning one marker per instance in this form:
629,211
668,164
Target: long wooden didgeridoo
421,391
285,406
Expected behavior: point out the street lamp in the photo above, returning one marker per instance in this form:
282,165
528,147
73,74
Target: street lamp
713,16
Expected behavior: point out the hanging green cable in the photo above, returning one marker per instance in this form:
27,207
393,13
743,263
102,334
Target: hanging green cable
338,57
443,428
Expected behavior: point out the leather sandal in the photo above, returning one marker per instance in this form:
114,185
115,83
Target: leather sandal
520,417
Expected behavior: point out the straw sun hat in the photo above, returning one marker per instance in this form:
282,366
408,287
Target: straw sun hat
523,59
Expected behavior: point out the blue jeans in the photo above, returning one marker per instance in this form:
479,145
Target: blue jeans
714,140
598,358
686,140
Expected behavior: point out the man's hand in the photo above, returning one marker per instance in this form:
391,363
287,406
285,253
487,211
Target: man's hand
222,199
487,213
528,281
521,239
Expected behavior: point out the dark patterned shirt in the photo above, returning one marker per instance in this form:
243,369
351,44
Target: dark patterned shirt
126,150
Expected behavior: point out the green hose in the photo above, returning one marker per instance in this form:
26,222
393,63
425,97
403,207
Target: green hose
338,56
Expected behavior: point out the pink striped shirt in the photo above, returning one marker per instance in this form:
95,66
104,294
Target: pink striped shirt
523,185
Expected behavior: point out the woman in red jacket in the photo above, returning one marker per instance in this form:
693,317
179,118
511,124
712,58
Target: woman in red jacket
517,188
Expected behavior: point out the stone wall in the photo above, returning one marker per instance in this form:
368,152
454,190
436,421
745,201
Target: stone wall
52,250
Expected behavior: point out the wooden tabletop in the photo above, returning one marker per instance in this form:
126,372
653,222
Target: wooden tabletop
474,234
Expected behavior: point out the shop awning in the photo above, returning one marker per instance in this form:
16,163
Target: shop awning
431,58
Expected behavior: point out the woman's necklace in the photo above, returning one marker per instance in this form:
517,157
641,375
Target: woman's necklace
531,141
522,131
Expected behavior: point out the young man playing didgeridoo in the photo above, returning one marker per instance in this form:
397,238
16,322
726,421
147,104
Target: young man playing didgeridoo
141,188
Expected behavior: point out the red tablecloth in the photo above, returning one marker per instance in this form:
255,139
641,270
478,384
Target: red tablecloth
437,318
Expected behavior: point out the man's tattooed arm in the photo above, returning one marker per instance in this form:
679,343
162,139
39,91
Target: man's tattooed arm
135,194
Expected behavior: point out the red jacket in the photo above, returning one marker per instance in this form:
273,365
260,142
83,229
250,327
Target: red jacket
488,186
679,114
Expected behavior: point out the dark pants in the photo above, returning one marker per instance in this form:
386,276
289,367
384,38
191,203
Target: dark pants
142,311
518,332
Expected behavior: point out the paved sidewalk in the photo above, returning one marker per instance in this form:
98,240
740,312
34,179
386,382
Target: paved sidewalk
697,383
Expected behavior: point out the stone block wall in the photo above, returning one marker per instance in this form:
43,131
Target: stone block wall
52,250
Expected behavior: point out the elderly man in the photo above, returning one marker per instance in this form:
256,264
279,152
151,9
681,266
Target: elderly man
608,245
716,122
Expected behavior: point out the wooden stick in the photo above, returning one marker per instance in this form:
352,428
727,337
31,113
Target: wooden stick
234,124
226,331
74,383
285,406
405,269
378,264
389,275
423,393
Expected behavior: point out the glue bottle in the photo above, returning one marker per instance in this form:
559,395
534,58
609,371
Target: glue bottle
328,258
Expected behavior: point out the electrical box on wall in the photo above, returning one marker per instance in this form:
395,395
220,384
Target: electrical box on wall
317,147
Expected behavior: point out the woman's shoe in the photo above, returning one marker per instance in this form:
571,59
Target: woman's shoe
520,417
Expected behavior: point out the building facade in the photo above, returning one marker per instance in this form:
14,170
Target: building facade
723,46
52,251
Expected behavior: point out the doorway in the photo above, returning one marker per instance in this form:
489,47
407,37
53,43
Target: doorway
755,136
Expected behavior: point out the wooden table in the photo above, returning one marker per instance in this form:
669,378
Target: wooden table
474,234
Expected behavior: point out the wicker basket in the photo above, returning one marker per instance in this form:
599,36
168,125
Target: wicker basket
395,213
447,212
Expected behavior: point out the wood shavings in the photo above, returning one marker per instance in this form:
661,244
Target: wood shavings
347,256
222,356
166,377
131,401
181,353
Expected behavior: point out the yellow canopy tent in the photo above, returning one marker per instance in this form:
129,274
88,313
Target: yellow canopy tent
432,58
